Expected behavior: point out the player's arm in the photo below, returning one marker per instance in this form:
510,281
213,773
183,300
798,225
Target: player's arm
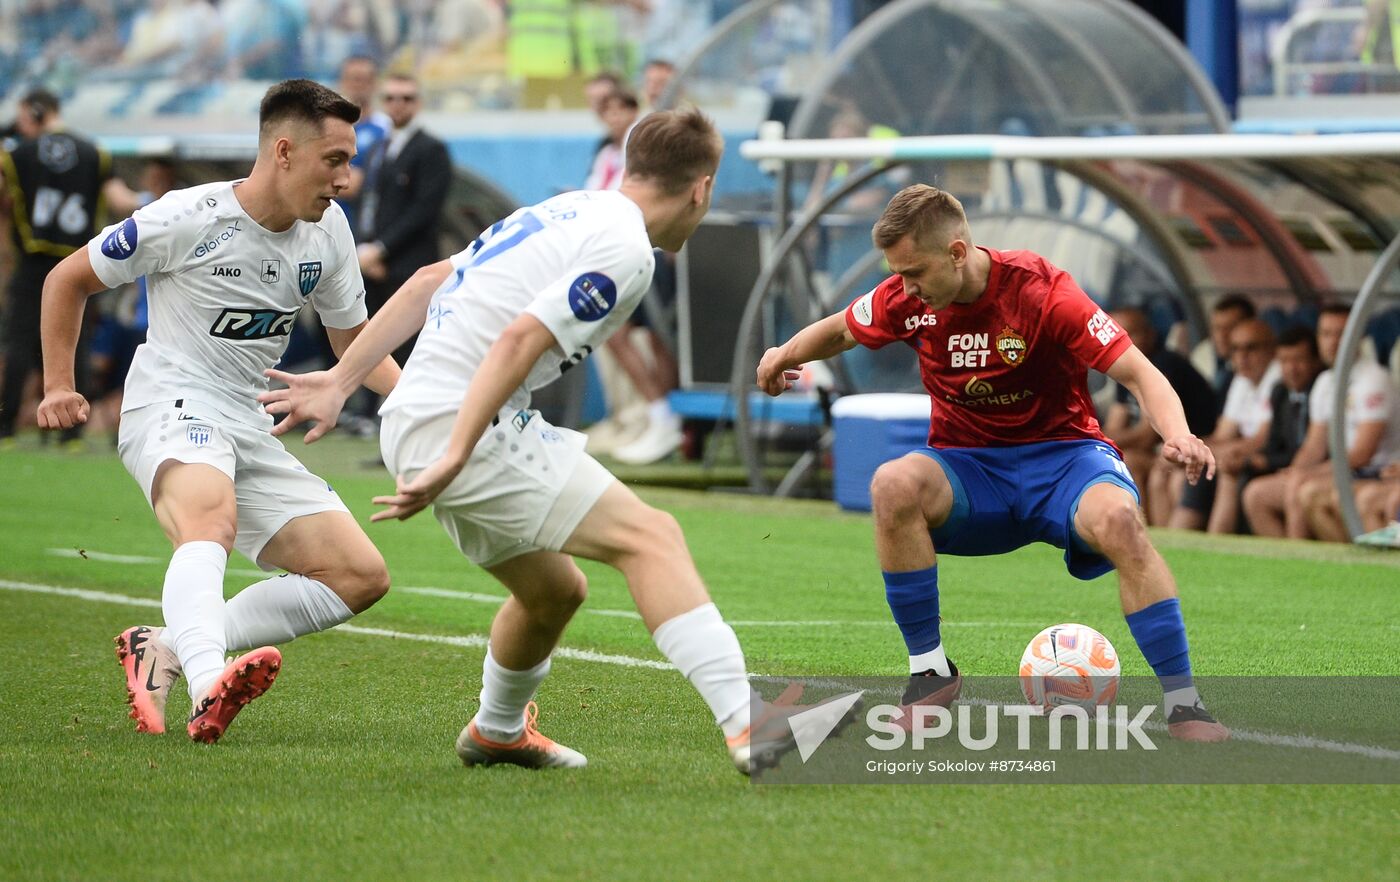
317,397
820,340
383,377
66,290
502,371
1162,408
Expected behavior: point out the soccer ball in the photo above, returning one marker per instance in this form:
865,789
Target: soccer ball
1069,665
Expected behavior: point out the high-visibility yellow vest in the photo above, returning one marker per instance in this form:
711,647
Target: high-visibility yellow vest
539,39
1392,27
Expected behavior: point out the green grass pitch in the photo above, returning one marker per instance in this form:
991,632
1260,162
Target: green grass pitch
345,770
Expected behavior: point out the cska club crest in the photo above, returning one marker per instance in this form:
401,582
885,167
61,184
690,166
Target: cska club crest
1011,346
308,274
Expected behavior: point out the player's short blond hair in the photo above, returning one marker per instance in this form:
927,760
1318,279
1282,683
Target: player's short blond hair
673,149
927,213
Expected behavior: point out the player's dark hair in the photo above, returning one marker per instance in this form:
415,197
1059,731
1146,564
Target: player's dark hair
918,210
659,62
40,104
303,101
673,149
1236,302
1299,334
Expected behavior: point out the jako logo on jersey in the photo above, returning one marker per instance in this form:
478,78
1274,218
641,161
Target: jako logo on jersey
927,320
213,244
1011,346
308,274
253,324
233,271
121,242
592,296
863,310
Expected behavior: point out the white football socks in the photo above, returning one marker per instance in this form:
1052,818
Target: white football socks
192,602
504,694
1183,697
704,648
933,660
280,609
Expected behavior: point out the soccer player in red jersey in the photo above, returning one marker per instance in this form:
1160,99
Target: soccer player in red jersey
1015,454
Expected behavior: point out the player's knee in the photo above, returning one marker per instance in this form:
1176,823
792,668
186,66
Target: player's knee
1117,528
361,581
204,529
896,492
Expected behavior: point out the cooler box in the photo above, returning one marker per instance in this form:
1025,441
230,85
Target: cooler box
871,430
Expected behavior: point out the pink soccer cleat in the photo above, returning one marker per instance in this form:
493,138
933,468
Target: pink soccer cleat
245,678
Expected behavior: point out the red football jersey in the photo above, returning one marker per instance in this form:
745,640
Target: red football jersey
1009,369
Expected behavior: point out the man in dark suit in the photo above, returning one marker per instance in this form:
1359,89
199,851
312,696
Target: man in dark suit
407,177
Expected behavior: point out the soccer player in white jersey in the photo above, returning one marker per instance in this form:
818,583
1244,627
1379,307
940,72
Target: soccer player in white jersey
526,301
229,265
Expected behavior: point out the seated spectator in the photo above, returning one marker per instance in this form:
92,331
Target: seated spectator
1212,357
1275,505
1134,436
261,38
1239,434
1299,365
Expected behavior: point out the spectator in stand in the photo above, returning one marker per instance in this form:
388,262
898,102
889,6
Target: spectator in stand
262,38
359,78
1212,357
1275,504
656,76
407,178
618,113
1240,433
1134,436
1297,358
597,89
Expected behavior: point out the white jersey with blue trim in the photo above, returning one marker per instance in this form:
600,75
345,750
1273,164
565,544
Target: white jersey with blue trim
579,262
223,294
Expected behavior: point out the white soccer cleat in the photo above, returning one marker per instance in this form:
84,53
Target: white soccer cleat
532,749
151,669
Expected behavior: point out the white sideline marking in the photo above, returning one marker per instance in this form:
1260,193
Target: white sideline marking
469,640
107,557
476,641
430,591
627,661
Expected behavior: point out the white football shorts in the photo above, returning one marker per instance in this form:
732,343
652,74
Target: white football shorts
270,485
526,486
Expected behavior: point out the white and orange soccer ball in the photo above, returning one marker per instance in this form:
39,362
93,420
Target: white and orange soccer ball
1070,665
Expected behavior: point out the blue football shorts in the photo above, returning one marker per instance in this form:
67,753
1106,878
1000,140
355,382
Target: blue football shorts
1007,497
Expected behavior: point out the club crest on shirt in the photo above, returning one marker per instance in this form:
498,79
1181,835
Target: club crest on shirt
1011,346
198,435
308,274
